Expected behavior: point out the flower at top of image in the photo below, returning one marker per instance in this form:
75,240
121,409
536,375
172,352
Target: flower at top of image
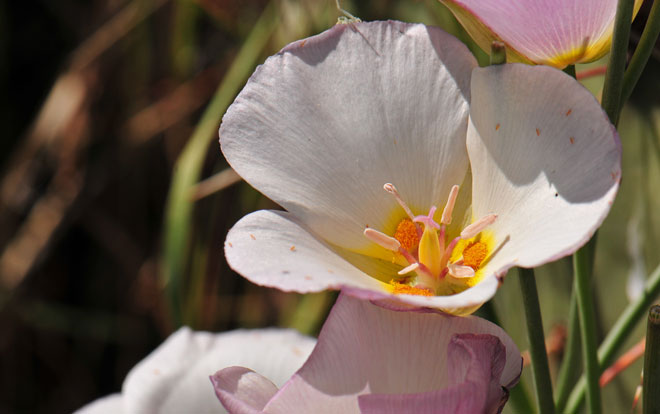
385,361
174,378
549,32
408,174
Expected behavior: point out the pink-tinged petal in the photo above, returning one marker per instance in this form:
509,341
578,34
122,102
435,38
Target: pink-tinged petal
479,359
324,124
388,352
550,32
457,399
544,157
475,364
292,259
241,390
175,377
111,404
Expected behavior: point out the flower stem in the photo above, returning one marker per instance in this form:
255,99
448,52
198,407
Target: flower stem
583,258
617,336
650,399
642,52
583,266
540,369
569,374
614,76
188,167
497,53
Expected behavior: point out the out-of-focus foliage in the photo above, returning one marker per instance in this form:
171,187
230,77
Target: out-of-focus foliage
98,100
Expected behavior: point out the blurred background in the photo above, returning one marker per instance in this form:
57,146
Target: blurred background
115,199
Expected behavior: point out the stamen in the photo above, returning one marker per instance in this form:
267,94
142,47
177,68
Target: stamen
382,239
478,226
408,269
428,220
449,207
406,233
390,188
460,271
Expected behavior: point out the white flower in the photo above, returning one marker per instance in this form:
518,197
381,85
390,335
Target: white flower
327,124
174,378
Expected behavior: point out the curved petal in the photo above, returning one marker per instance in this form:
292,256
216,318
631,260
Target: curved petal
551,32
292,259
174,378
271,249
475,364
322,125
384,352
111,404
241,390
544,157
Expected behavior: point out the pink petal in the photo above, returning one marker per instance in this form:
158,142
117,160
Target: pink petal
390,352
551,32
457,399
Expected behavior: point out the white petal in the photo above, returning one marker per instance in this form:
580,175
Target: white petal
175,377
111,404
271,249
381,352
321,126
544,157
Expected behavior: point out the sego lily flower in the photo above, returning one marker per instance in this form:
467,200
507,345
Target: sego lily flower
385,361
409,174
173,379
549,32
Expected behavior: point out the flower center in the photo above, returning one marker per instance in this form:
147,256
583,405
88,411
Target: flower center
436,265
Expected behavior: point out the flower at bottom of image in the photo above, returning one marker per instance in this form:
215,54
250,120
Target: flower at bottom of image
174,378
370,359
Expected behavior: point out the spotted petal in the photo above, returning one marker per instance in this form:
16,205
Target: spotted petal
550,32
322,125
274,249
544,157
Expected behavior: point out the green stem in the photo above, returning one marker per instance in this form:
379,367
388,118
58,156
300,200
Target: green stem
569,373
583,258
614,76
179,208
583,266
497,53
651,383
540,369
642,52
618,335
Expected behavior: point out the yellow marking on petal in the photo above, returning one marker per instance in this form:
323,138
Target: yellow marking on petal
406,234
471,252
401,288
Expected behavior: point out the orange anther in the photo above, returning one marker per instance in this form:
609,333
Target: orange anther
406,234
